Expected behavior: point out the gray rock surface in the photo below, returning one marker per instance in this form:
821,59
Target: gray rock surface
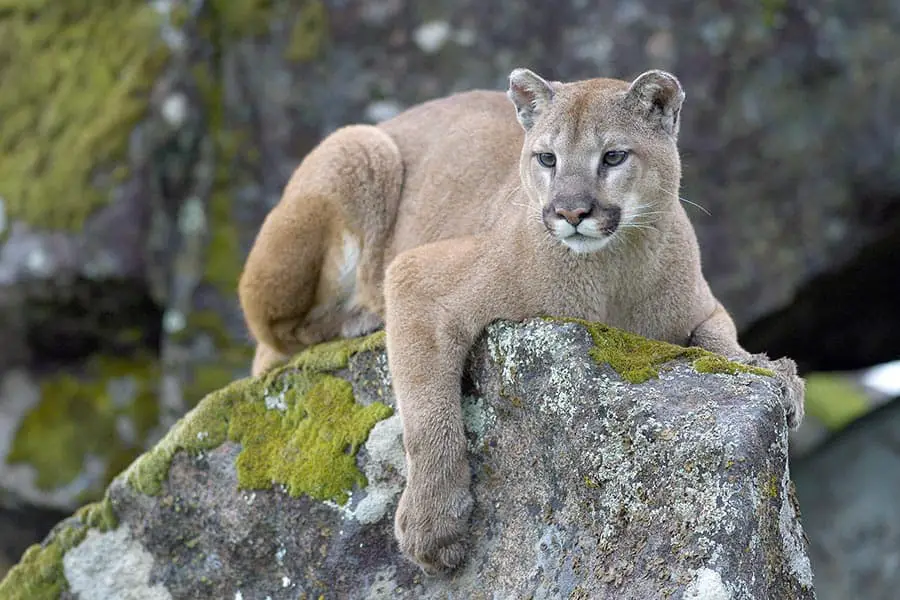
849,492
586,487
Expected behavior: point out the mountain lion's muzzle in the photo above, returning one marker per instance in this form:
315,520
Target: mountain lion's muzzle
582,215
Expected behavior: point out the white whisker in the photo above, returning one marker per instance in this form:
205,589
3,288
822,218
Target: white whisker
695,204
639,223
533,209
685,200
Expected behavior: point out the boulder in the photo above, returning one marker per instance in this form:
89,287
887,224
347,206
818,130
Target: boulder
848,491
118,256
133,181
604,466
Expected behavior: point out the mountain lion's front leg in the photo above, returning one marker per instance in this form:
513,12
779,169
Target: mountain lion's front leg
438,299
718,334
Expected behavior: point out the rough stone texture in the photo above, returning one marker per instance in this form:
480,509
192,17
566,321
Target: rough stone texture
585,487
848,491
92,575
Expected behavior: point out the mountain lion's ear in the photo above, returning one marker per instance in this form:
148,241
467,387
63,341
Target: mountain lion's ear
658,96
530,93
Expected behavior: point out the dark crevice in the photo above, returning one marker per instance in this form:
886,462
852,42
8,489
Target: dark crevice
846,319
85,317
19,528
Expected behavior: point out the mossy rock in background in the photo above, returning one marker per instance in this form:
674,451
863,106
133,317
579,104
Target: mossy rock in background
75,81
84,428
78,80
835,400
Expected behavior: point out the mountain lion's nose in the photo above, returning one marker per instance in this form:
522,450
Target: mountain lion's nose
574,216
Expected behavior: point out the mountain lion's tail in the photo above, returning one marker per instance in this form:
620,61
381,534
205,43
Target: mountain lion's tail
326,236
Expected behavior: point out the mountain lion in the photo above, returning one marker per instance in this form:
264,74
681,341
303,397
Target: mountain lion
467,209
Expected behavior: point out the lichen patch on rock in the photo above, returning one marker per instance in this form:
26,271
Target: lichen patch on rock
707,585
91,574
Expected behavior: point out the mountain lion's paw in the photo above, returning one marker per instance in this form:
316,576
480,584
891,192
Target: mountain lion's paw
793,388
430,526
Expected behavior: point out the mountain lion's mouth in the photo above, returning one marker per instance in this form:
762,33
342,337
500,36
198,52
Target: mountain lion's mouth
588,235
584,244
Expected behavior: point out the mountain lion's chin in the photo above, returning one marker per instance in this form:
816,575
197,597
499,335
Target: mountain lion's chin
582,244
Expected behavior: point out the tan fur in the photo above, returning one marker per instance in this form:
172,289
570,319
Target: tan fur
457,224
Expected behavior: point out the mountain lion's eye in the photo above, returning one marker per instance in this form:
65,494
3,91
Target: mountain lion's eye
547,159
614,158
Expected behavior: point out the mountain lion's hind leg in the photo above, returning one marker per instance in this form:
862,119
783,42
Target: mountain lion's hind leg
372,181
265,358
314,271
718,334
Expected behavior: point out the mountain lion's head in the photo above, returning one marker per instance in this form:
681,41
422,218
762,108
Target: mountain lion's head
600,155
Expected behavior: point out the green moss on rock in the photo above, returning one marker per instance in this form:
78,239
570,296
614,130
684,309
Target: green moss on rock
715,363
298,426
98,515
78,416
771,487
637,359
336,354
75,81
39,575
309,447
203,428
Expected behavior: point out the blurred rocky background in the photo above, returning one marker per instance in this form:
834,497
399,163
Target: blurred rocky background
142,143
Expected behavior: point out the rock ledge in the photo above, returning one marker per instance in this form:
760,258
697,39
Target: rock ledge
587,485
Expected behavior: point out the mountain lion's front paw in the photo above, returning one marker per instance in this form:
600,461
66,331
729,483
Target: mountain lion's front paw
431,524
793,387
